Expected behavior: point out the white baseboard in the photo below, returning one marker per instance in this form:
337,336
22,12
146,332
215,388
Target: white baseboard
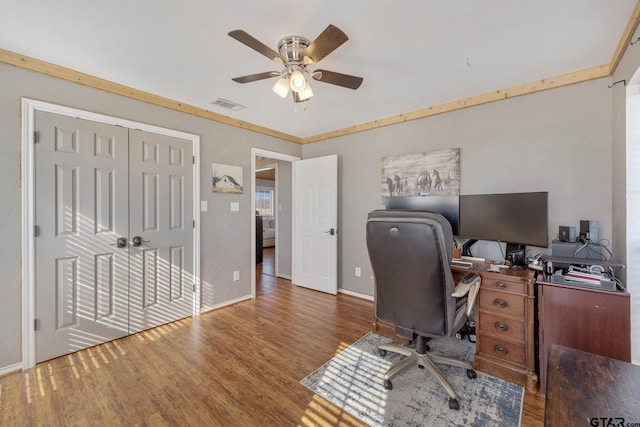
284,276
224,304
356,294
10,369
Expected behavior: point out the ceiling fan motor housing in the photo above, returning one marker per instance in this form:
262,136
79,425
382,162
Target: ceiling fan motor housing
291,49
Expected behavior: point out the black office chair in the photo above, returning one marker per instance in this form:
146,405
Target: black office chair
410,253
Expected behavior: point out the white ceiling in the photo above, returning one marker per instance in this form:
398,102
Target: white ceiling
412,53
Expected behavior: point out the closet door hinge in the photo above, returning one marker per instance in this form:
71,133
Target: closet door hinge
194,160
36,324
36,230
36,137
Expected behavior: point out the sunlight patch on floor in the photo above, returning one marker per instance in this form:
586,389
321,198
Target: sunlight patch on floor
349,387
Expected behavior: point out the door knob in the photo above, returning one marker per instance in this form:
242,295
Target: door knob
121,242
137,241
332,231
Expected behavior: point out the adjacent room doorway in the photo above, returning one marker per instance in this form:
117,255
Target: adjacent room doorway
279,255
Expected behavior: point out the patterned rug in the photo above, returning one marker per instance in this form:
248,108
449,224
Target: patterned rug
353,380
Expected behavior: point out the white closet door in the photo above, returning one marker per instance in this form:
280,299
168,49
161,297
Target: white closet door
81,190
161,203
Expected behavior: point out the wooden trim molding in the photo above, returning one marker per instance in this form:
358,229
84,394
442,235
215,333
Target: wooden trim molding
498,95
68,74
524,89
623,44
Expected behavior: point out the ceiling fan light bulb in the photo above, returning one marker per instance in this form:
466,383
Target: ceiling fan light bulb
281,88
306,92
297,81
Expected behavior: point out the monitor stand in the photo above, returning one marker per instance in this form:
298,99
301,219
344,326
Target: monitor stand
515,255
466,247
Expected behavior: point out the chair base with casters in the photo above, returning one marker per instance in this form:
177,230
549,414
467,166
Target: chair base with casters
421,357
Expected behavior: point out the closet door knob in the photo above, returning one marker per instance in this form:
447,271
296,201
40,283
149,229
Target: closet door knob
121,242
138,241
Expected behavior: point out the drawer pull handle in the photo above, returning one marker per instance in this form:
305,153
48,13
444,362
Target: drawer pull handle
500,349
501,285
501,326
499,302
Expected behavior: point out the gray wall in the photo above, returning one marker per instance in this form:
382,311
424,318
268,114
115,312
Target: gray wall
557,141
225,235
568,141
284,190
626,197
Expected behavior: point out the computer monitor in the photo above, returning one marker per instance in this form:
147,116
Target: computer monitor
447,206
513,218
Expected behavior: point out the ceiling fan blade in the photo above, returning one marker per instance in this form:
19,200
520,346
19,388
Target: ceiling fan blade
255,44
344,80
254,77
324,44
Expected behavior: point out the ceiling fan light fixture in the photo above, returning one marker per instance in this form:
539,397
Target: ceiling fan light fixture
281,88
305,93
297,81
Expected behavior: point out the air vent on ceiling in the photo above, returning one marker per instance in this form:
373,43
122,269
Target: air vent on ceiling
228,104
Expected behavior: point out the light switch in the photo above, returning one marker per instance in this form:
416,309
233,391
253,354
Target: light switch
204,206
235,206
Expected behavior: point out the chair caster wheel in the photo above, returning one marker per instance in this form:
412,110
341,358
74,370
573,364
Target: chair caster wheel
388,385
453,404
382,352
471,374
421,366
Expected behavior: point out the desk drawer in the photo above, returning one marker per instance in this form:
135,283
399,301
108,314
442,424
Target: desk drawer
500,326
490,282
500,349
502,303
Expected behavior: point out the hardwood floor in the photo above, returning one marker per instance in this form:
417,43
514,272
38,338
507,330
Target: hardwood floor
236,366
266,280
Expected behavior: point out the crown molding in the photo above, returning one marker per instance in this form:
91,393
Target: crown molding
597,72
627,34
498,95
68,74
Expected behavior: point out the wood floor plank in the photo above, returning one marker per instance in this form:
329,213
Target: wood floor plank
237,366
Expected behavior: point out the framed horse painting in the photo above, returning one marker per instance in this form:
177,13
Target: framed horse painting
422,174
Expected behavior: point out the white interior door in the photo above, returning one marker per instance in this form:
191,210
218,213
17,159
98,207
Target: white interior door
81,209
161,215
315,223
114,252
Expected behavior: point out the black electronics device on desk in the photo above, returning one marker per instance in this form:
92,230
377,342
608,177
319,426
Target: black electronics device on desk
517,219
582,272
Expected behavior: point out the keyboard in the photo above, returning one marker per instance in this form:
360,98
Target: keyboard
461,264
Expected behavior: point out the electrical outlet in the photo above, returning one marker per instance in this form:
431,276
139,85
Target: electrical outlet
236,276
358,272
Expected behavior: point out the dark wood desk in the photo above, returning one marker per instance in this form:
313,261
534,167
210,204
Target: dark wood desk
586,319
582,386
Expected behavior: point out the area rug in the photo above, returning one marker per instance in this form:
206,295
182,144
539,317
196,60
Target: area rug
353,380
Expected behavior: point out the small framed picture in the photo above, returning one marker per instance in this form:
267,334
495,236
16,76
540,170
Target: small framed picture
226,178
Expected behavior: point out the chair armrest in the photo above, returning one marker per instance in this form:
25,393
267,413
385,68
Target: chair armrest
470,290
471,297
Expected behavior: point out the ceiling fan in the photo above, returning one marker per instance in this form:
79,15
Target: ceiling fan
296,54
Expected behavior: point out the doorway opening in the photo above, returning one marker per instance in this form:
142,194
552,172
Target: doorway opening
266,225
271,208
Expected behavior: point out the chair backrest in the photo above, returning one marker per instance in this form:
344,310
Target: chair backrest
410,253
